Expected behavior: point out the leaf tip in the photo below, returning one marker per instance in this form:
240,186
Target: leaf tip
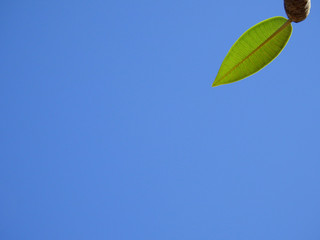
215,83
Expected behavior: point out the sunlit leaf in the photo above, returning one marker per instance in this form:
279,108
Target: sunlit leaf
256,48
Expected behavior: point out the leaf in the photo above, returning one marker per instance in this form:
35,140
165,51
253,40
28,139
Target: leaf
255,49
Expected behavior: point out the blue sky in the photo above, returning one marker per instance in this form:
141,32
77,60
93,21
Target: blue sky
110,129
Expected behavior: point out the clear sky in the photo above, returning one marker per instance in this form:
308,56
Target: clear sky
109,127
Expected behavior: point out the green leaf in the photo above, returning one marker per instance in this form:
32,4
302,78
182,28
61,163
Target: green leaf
256,48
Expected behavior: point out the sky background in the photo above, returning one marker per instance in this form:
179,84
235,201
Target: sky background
110,129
